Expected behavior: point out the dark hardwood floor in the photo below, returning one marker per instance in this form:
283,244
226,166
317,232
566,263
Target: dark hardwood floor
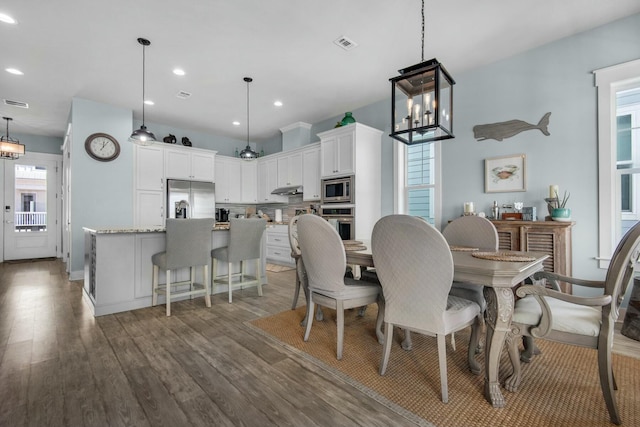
60,366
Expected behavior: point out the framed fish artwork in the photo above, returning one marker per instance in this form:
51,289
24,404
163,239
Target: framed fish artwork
505,174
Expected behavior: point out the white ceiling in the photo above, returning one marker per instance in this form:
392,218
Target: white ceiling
88,49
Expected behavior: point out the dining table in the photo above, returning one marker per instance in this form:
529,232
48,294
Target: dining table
498,274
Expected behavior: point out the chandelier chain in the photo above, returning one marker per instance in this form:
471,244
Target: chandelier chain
422,60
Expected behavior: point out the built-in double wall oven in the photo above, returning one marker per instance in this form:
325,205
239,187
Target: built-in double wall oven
338,205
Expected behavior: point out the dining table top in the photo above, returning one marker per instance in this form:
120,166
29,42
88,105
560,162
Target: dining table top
471,269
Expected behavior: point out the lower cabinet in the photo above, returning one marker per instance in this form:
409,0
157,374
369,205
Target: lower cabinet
550,237
278,247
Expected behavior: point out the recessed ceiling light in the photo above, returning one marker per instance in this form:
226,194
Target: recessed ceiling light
14,71
6,19
236,123
178,72
149,102
278,103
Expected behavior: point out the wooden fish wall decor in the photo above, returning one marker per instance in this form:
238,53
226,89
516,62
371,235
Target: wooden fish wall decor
503,130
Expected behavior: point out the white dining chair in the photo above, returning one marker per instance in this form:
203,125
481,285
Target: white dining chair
415,268
325,262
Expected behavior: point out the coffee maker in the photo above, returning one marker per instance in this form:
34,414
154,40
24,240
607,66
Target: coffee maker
222,215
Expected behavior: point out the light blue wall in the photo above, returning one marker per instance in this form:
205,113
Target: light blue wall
40,144
101,192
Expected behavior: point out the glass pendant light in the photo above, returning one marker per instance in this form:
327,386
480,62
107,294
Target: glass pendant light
422,102
248,153
10,148
142,136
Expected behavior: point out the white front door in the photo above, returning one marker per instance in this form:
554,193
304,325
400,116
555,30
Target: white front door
30,207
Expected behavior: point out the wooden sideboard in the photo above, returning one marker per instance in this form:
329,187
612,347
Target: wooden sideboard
551,237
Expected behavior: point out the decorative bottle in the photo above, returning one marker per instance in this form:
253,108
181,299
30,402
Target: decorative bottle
348,118
236,153
495,210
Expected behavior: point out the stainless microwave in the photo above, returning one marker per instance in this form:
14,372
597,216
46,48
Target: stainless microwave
338,190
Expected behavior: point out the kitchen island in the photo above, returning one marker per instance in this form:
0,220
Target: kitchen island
118,269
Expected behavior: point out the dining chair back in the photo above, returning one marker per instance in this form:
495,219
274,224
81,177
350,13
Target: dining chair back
324,258
188,244
415,268
583,321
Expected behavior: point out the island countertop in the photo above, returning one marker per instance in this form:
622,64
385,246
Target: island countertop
147,229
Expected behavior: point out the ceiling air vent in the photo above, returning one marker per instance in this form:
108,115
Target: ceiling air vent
183,95
345,43
16,103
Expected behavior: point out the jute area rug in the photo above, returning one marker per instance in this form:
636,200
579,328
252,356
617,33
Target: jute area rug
559,388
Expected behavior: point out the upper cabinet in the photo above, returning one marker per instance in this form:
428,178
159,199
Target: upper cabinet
190,164
290,169
149,167
337,152
228,179
311,173
268,181
339,148
249,178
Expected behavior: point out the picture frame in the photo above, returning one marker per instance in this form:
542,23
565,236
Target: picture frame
505,174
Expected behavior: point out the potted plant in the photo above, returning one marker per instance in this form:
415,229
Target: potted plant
561,212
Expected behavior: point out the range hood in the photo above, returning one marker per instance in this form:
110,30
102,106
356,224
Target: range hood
288,191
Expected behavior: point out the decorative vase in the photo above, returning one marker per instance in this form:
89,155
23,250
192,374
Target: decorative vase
348,119
338,125
561,214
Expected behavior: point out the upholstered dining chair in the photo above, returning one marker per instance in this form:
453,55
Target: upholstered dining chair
415,268
301,273
325,262
582,321
245,238
188,243
468,232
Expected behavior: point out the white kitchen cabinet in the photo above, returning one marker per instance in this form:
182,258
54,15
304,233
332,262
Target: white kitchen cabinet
338,152
278,247
290,169
149,168
149,210
355,149
268,181
228,179
249,171
190,164
311,174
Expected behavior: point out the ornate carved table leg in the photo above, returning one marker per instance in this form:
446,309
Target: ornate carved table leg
498,313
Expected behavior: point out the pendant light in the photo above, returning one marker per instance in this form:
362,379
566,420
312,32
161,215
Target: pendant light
248,153
422,102
10,148
142,136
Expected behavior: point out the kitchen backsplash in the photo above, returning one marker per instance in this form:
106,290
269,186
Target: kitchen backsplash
296,206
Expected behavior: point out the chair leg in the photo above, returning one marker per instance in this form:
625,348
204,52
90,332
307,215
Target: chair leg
453,341
380,319
207,290
230,266
340,327
192,279
154,281
310,307
168,293
386,350
258,277
606,379
297,291
442,361
474,366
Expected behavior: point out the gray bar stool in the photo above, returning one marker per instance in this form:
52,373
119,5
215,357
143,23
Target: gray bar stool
245,237
188,245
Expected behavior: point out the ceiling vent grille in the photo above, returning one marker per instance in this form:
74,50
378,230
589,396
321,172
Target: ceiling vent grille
345,42
19,104
183,94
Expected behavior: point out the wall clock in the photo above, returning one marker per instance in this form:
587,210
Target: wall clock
102,147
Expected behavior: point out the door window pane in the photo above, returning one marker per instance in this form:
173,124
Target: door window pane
30,199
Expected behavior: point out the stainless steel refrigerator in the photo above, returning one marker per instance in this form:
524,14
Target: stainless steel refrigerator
190,199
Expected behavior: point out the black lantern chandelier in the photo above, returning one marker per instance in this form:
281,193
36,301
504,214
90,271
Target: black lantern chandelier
10,148
422,102
142,136
248,153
